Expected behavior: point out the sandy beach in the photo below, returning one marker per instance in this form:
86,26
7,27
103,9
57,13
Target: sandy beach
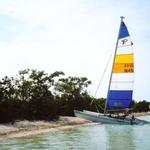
138,114
27,128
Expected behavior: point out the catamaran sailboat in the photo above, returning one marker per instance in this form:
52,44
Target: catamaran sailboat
120,88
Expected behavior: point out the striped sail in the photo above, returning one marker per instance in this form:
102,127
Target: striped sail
121,86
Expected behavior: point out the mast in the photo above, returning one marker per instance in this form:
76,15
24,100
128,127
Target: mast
122,17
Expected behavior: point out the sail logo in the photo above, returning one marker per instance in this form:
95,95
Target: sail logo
124,41
118,104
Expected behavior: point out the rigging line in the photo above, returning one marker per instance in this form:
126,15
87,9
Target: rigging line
97,108
100,107
102,76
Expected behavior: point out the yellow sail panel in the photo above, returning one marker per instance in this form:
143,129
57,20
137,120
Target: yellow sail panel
124,58
123,68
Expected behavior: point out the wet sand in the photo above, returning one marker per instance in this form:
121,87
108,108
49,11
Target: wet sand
28,128
138,114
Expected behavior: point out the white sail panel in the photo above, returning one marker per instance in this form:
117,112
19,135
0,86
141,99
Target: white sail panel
125,42
125,50
125,46
121,85
122,77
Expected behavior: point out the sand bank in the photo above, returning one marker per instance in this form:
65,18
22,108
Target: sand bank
138,114
27,128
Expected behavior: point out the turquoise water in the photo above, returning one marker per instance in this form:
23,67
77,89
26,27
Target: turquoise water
93,137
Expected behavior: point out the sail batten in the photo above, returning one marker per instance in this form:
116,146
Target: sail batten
121,84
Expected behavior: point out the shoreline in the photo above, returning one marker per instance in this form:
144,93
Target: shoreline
139,114
29,128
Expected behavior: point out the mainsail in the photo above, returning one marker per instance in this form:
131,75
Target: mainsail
120,89
121,82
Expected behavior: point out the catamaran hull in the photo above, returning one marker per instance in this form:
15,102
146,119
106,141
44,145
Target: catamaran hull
100,118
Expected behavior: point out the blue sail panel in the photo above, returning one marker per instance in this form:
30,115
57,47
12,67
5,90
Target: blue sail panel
119,99
123,31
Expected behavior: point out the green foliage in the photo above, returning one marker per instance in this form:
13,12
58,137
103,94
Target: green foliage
28,96
141,106
72,94
36,95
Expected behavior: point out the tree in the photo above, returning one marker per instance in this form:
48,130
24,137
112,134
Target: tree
72,93
141,106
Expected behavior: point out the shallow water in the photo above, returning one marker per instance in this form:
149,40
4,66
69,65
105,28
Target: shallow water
93,137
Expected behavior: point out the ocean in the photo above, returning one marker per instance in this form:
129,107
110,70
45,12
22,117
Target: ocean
90,137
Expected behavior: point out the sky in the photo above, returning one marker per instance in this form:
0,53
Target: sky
73,36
